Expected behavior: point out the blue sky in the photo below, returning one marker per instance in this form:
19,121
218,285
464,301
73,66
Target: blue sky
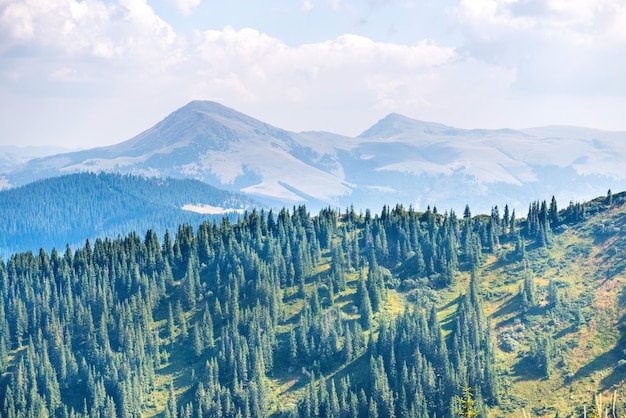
297,22
96,72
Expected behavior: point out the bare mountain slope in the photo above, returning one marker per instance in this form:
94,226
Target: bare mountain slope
397,160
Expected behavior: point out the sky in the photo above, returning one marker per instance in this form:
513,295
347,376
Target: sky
88,73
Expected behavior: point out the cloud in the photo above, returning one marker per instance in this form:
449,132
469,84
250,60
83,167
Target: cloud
125,52
310,80
126,29
67,74
307,6
79,65
571,21
378,3
186,7
555,45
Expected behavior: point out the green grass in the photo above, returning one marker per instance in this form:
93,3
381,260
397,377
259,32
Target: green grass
589,271
588,354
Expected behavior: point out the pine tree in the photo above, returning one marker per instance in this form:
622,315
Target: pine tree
528,293
171,408
293,347
553,214
170,324
466,406
365,306
198,346
553,296
596,408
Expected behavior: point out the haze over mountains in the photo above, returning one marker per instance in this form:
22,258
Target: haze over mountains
12,156
396,160
69,209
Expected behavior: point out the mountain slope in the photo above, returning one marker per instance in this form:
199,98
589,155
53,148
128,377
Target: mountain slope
72,208
217,145
509,166
564,340
285,315
396,160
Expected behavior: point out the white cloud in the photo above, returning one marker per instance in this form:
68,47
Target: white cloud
333,70
307,6
81,64
335,4
556,46
17,21
124,53
67,74
570,21
123,30
186,7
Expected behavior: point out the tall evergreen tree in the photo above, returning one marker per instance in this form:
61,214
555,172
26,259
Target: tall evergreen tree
466,405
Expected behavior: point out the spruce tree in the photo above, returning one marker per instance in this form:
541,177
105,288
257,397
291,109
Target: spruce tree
466,406
364,304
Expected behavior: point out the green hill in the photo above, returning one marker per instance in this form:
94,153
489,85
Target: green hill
72,208
565,343
334,315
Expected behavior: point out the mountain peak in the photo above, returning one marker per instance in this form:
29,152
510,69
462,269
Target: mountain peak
205,105
394,124
215,114
208,141
199,121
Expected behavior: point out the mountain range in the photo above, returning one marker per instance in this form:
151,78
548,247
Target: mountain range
397,160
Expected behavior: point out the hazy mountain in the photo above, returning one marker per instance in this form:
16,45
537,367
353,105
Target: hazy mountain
12,156
397,160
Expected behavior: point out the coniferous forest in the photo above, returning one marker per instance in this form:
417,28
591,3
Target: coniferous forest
341,314
71,208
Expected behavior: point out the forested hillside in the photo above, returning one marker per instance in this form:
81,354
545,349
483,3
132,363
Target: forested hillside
72,208
334,315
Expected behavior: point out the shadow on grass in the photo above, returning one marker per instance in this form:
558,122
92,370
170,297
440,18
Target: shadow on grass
350,309
565,331
357,369
343,298
526,370
293,375
608,360
510,307
504,259
292,296
184,370
454,301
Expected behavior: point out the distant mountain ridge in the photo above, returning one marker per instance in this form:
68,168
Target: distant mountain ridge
72,208
397,160
12,156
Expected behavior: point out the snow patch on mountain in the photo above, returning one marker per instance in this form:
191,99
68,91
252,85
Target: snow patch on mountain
275,190
398,159
4,183
210,210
